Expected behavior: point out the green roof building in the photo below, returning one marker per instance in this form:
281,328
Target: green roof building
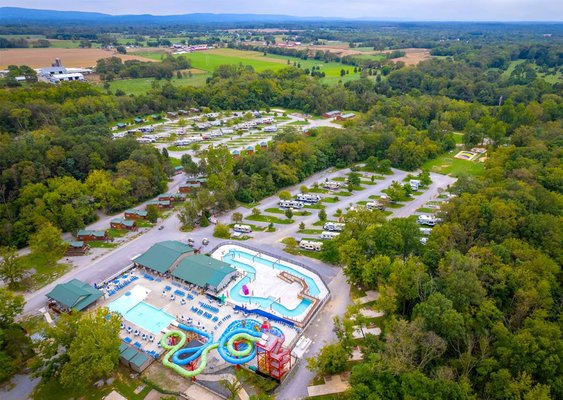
133,358
161,257
205,272
74,295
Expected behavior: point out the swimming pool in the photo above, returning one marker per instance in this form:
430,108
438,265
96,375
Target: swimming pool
234,257
141,314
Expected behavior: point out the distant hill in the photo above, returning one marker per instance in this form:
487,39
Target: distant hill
23,15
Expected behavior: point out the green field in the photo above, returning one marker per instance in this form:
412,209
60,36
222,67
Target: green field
211,59
142,85
552,78
448,165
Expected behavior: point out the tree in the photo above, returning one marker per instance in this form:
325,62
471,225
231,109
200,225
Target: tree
396,192
47,240
285,195
256,212
188,215
233,386
221,231
11,305
332,359
94,351
190,166
121,49
322,214
11,270
290,243
304,189
289,213
237,217
302,226
152,213
165,152
354,178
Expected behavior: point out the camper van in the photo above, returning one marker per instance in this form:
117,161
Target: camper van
331,185
310,245
242,228
329,235
333,226
374,205
428,220
308,198
291,204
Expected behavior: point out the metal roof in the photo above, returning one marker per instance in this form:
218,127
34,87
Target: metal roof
203,270
161,256
74,294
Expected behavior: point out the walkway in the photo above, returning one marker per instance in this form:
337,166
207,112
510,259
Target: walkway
333,384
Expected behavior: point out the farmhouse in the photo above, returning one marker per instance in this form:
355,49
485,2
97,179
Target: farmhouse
88,235
332,114
73,295
346,117
205,272
135,214
76,248
163,256
120,223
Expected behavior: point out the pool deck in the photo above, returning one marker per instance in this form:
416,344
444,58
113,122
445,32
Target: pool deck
267,283
153,291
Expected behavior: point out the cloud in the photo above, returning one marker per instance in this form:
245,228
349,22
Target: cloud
429,10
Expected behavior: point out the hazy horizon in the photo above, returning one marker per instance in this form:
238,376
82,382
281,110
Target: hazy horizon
412,10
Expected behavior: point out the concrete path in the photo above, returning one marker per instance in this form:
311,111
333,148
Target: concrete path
333,384
371,295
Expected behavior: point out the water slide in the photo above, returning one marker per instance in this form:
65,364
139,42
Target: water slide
225,346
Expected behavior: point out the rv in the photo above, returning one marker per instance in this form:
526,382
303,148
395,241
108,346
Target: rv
414,184
374,205
310,245
333,226
146,140
331,185
242,228
146,129
329,235
428,220
308,198
291,204
423,240
426,231
270,129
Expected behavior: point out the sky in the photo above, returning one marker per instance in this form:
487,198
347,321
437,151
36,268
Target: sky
425,10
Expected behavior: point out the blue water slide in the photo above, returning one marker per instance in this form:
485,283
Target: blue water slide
195,350
222,349
266,314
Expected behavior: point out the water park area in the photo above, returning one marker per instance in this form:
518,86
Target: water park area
268,285
255,320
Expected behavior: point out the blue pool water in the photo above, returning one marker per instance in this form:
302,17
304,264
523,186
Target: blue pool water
236,258
141,314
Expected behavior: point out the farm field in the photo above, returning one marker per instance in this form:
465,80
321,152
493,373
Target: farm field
36,58
210,60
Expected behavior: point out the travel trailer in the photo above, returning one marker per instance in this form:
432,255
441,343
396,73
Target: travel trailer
329,235
291,204
242,228
310,245
333,226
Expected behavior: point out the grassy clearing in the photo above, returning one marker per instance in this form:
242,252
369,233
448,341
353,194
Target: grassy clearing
143,85
46,268
269,219
279,211
446,164
315,206
426,210
117,233
343,194
330,200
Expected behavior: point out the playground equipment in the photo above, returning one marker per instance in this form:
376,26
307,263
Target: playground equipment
225,346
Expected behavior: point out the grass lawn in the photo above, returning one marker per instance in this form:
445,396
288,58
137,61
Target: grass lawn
312,254
310,231
318,190
125,385
344,193
426,210
116,233
253,227
142,223
395,205
269,219
102,245
330,200
143,85
321,223
446,164
250,206
317,206
46,269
